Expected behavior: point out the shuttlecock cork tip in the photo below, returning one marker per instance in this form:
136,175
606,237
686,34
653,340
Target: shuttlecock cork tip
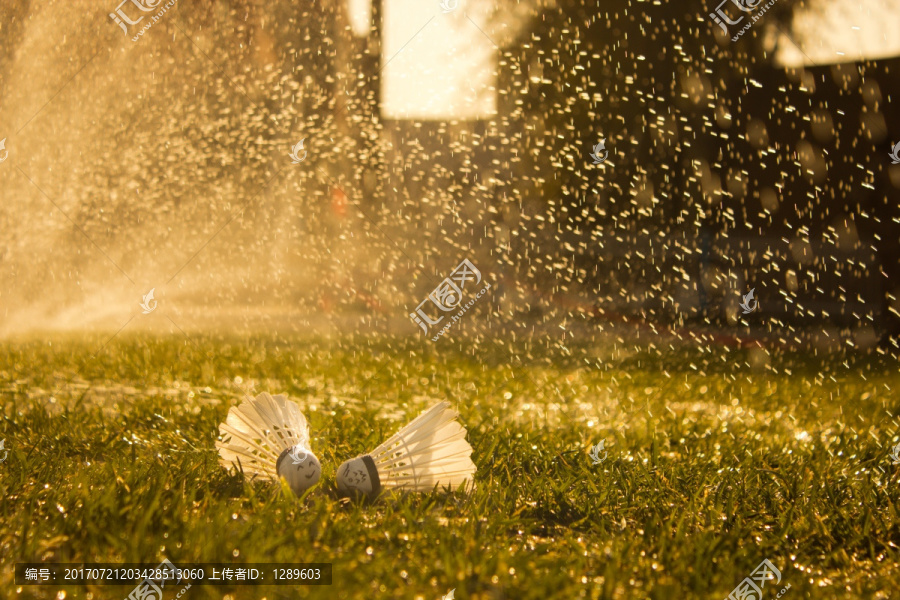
359,477
300,468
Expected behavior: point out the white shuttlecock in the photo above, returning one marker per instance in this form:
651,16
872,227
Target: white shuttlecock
431,451
268,437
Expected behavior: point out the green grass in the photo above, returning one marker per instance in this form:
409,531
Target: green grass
716,459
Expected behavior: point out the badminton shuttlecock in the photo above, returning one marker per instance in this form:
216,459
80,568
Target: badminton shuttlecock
430,452
268,437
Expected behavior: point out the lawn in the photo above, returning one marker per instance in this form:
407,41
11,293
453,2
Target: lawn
716,459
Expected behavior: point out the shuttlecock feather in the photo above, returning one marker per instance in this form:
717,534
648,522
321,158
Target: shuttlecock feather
430,452
267,437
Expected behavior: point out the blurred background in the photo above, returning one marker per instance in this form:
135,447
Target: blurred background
436,135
